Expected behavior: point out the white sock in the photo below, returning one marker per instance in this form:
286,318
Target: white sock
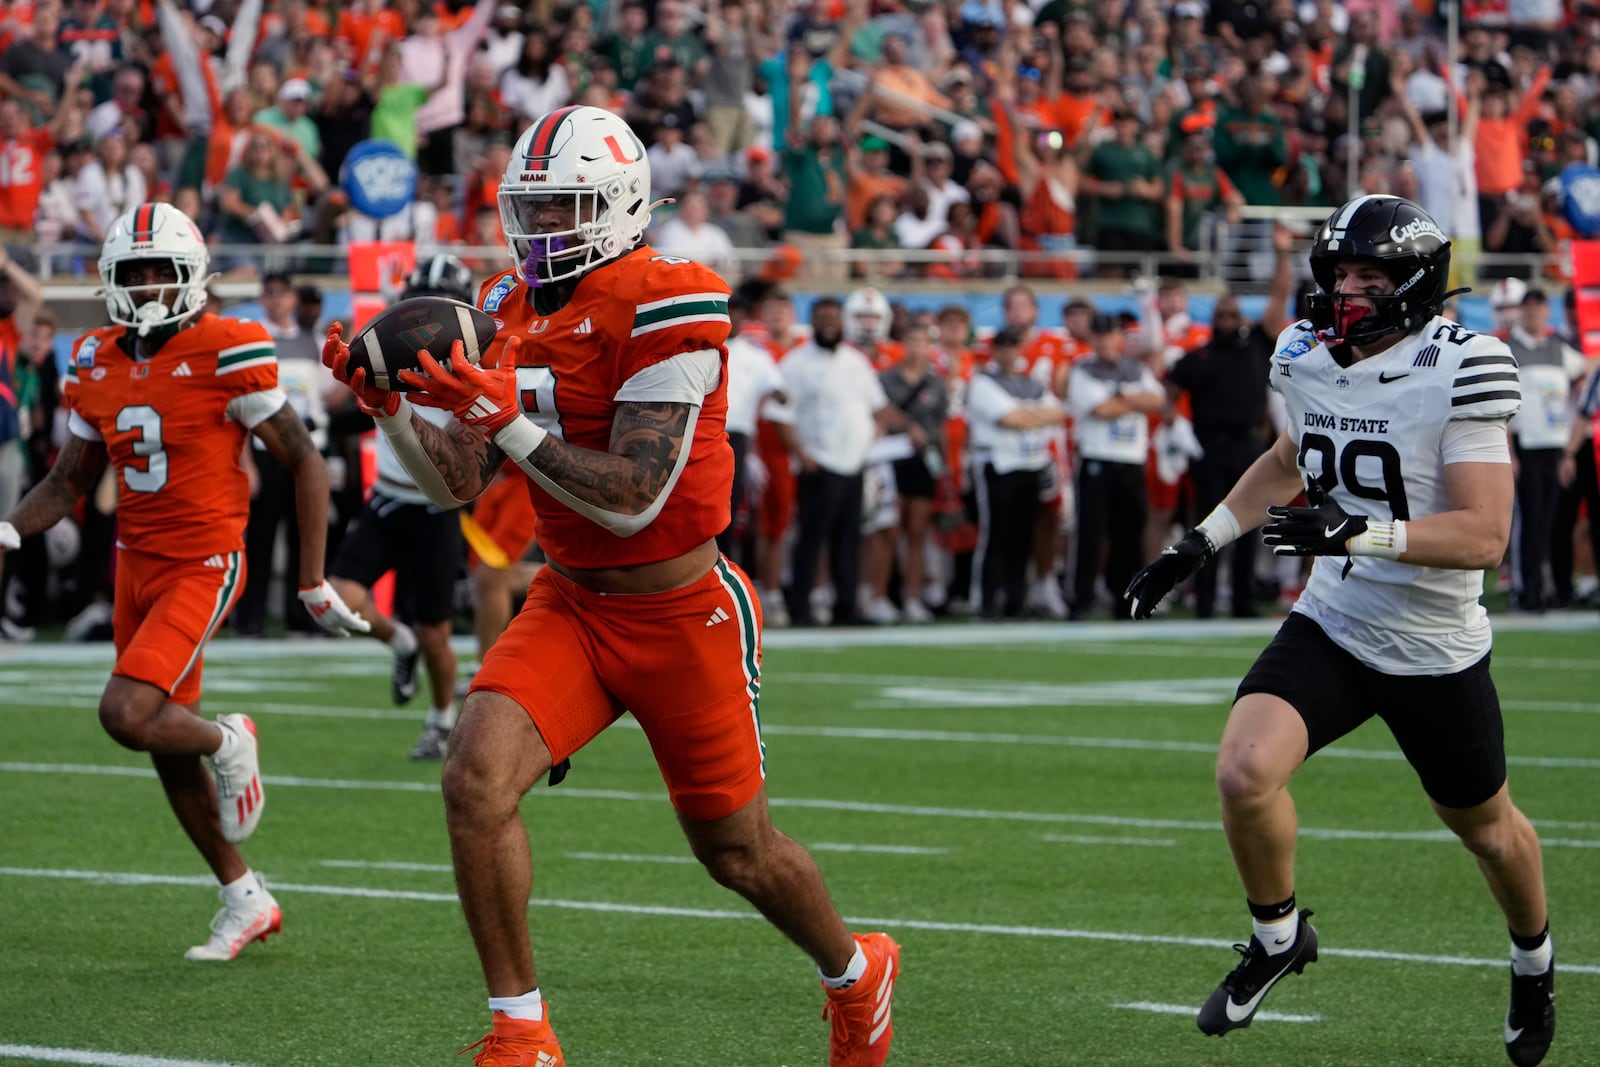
404,640
238,893
1277,937
529,1006
442,718
1532,960
852,974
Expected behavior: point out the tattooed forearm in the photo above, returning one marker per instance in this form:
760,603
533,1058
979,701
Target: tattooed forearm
76,472
465,459
286,437
646,440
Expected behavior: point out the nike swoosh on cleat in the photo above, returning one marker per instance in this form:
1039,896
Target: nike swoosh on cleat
1512,1036
1238,1013
1329,532
1282,940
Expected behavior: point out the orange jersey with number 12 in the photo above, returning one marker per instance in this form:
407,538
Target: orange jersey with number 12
168,430
623,317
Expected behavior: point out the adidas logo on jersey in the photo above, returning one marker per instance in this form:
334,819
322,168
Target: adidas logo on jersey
215,561
717,616
183,371
583,327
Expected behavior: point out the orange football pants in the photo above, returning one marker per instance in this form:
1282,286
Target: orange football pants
164,612
505,511
686,663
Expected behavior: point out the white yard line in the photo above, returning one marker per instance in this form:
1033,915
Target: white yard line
627,857
90,1058
1090,839
128,878
1185,1009
814,803
1150,635
887,850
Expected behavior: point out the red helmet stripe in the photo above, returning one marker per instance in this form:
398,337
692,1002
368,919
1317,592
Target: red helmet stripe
144,223
543,134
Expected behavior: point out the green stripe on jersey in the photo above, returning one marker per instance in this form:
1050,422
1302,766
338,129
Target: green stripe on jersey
687,310
234,356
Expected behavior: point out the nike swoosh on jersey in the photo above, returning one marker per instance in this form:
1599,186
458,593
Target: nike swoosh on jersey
1329,532
1386,380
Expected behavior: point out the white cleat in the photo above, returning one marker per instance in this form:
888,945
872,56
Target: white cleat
916,611
233,929
240,800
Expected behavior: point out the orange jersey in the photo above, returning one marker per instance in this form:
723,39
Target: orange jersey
623,318
884,354
173,430
21,178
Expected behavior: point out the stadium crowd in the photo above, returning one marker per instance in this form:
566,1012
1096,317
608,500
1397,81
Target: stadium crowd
793,136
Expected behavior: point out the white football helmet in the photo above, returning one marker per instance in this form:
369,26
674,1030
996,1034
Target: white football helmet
154,231
593,157
866,317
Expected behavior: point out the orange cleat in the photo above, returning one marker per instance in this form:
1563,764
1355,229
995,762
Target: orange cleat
863,1024
517,1043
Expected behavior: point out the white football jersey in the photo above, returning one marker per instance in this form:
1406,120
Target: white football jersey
1371,435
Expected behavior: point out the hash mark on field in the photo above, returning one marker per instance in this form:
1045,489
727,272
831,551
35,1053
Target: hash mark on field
1184,1009
627,857
133,878
890,850
97,1059
1090,839
391,865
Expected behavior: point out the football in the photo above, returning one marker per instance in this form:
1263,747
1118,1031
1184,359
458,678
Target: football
390,341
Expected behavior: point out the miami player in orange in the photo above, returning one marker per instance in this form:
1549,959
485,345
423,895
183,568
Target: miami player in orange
605,387
167,396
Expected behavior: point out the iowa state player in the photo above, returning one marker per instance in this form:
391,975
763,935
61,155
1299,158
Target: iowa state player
1397,431
167,395
606,387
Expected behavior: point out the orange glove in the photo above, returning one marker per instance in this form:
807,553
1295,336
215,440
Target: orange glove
379,403
483,397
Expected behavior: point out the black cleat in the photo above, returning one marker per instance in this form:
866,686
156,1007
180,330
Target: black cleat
1531,1020
1233,1004
403,681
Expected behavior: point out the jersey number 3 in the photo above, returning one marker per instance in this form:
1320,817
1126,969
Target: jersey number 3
1321,458
149,446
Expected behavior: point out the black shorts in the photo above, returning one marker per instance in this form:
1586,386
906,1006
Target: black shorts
912,480
1448,725
420,543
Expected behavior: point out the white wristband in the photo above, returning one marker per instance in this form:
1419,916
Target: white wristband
1221,527
397,423
1386,540
518,438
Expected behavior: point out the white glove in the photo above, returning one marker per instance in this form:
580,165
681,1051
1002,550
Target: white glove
331,612
9,538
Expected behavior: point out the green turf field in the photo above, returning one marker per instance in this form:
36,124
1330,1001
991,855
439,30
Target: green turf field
1028,810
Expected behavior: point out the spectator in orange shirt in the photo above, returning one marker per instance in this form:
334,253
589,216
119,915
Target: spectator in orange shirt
896,90
22,153
1501,147
869,177
369,25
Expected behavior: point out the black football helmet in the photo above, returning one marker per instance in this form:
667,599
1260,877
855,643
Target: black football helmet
441,275
1409,246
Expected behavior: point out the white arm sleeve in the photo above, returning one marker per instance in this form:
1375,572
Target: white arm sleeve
414,458
683,379
1475,441
252,409
81,427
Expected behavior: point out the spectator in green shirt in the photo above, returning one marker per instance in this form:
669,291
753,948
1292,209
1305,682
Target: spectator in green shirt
1250,144
289,115
395,118
1125,179
815,167
631,50
1195,187
878,235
